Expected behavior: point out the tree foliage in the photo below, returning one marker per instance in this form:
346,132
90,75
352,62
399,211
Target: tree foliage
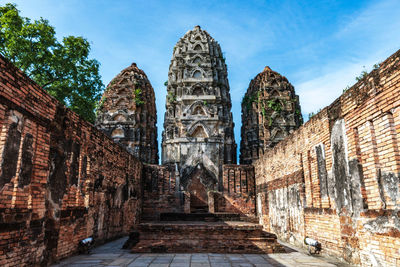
64,68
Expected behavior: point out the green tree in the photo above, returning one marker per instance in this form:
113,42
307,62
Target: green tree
64,68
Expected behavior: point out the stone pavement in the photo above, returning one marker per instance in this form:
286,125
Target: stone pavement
111,254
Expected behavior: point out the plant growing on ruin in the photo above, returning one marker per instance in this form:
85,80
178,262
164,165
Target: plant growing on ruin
100,104
171,98
346,88
258,97
248,101
166,83
275,105
137,97
263,111
113,81
362,75
63,69
270,121
312,114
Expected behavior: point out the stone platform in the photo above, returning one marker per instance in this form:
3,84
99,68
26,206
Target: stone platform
204,237
207,217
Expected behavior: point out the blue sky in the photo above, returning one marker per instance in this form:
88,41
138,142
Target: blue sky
320,46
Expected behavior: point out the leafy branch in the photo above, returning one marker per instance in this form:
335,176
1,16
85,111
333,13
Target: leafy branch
63,67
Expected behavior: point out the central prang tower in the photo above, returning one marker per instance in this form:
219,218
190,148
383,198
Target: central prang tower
198,128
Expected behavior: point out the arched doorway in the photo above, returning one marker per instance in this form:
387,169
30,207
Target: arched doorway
198,196
198,182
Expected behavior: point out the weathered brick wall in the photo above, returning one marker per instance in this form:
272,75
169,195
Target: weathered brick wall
238,195
159,192
336,179
238,179
61,180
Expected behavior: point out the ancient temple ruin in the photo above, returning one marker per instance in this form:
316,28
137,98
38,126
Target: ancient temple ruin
334,179
270,112
198,127
127,113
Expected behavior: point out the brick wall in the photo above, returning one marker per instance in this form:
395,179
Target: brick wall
61,180
336,179
238,194
159,192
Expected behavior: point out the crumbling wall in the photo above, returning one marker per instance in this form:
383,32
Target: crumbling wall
238,194
280,207
160,192
61,180
336,179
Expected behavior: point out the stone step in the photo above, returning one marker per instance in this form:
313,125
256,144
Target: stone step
205,237
207,217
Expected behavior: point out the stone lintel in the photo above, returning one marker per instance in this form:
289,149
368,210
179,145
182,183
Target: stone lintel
195,97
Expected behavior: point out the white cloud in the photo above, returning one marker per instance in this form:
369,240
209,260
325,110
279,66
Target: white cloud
367,39
322,91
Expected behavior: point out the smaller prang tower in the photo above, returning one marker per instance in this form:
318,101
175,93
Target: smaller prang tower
127,113
270,112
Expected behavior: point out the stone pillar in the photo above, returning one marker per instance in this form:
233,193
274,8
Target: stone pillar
186,205
211,202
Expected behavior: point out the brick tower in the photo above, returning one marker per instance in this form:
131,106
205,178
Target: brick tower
270,112
127,113
198,127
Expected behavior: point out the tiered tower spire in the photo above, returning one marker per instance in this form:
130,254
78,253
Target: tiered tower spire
198,126
127,113
270,112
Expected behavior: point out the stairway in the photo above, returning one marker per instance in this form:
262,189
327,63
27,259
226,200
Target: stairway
204,233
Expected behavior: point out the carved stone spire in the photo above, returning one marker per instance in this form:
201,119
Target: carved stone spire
198,126
127,113
270,111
